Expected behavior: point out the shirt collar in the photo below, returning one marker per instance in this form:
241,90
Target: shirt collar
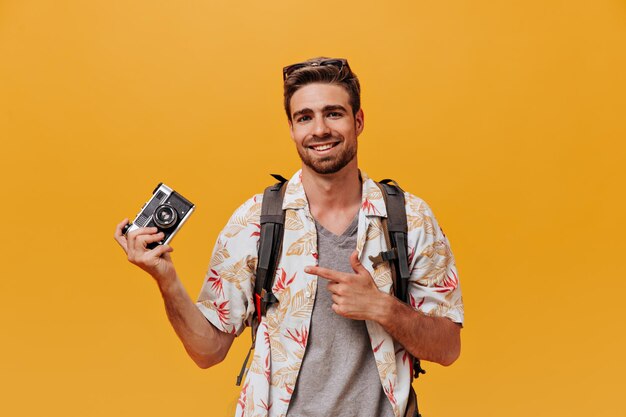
372,202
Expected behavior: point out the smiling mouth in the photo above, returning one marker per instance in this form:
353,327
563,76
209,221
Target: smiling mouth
323,146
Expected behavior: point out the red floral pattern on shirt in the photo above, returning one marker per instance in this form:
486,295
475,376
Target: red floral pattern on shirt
227,294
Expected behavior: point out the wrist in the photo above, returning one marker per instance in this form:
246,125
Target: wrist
383,311
166,283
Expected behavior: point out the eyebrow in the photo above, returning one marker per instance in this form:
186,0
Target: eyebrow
325,109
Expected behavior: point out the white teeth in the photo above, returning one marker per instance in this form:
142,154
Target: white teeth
322,147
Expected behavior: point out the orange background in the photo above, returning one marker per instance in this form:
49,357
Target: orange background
507,117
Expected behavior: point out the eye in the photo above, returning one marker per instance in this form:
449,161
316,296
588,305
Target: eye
303,119
335,114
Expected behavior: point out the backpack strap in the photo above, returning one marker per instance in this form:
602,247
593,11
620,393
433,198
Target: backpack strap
270,243
395,228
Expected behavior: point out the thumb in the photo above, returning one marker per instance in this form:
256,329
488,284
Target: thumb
357,266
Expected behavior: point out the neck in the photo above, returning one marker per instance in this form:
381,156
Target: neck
338,192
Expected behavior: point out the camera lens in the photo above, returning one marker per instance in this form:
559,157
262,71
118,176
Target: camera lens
165,216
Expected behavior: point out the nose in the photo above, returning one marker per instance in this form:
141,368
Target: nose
321,129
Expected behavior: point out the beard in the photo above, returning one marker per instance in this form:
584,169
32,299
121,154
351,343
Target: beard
329,164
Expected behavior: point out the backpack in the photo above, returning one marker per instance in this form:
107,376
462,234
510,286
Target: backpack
270,245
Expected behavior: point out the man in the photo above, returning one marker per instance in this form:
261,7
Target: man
340,345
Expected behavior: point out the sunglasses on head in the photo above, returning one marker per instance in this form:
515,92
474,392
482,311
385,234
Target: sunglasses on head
334,62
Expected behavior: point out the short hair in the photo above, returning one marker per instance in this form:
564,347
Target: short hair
329,74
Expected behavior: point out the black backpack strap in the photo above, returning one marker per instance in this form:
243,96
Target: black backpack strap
397,229
270,243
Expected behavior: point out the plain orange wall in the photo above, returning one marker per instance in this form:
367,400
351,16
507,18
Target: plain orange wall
507,117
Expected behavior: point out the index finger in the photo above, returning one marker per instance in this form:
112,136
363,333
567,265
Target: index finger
142,231
329,274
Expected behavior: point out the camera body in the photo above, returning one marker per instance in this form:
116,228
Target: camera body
166,210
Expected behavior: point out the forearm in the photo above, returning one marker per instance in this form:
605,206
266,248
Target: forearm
205,344
435,339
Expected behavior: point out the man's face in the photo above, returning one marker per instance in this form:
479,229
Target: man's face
323,127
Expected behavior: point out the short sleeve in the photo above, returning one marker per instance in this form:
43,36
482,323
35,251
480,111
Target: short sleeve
227,292
434,286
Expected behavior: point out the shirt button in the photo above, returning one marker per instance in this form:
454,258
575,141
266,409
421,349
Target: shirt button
307,293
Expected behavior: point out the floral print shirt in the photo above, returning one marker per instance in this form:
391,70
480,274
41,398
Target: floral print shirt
226,298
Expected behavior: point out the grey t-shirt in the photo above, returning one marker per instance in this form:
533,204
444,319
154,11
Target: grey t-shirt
338,376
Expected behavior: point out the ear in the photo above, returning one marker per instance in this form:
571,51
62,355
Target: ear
359,121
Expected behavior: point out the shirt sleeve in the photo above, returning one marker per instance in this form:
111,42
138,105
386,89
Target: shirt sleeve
434,286
226,297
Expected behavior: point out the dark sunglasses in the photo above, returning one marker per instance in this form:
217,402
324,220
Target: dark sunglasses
338,63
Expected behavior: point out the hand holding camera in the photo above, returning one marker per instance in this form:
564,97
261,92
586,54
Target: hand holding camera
146,239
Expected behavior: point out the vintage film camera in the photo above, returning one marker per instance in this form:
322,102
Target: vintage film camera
166,210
